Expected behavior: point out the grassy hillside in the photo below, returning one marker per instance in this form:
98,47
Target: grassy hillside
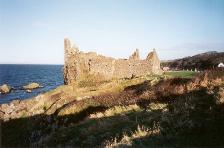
180,74
202,61
173,110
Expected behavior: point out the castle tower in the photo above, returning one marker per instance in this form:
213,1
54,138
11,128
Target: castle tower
67,44
135,55
154,59
70,62
67,47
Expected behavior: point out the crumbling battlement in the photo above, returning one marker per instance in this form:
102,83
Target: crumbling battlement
79,65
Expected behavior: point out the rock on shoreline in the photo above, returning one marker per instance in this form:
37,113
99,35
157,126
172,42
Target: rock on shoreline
5,89
31,86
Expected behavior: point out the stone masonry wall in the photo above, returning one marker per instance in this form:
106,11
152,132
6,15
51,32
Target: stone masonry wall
79,65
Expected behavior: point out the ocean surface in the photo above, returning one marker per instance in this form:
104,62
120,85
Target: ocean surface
16,76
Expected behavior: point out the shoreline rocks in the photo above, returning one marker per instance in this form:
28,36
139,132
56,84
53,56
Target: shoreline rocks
29,87
4,89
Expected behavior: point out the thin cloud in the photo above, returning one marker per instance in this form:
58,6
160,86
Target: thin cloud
40,24
188,49
43,25
201,46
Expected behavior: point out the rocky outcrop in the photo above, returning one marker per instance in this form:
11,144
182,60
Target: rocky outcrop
5,89
31,86
79,65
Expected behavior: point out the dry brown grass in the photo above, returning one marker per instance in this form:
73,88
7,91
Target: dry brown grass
127,140
116,110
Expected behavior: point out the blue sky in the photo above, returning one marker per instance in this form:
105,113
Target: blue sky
32,31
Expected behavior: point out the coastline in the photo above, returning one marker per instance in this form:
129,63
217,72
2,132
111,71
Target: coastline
17,76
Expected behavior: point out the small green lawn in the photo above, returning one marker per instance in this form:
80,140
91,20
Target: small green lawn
180,74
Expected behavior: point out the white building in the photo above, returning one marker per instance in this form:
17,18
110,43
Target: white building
166,68
221,65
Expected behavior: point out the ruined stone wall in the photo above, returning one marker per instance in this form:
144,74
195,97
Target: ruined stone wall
79,65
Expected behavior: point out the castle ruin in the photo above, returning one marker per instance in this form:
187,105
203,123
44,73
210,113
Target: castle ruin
79,65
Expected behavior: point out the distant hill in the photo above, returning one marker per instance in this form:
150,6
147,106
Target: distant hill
201,61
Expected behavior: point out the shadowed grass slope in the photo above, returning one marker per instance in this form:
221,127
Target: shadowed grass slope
173,113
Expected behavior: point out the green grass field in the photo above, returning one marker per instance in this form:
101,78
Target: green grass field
180,74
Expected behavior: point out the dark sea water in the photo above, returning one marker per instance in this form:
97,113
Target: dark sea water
48,76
